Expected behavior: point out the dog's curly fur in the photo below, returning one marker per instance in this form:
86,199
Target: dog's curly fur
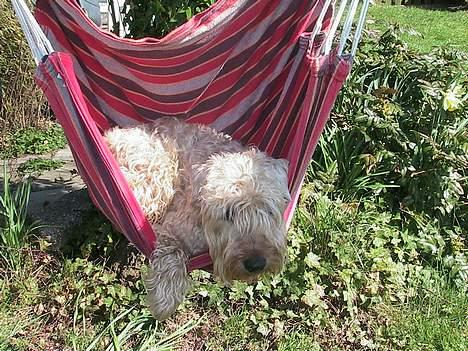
203,191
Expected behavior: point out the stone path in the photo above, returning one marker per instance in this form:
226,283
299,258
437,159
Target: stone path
58,197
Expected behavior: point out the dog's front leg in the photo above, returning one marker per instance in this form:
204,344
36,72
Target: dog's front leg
167,281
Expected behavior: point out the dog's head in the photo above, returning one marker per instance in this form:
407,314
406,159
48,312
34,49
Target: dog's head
242,207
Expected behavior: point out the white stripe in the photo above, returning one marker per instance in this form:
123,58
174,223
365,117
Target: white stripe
318,23
230,116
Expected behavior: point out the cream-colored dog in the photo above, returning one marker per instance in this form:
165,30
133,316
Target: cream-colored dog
203,191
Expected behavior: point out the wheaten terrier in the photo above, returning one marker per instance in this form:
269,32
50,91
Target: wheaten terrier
203,191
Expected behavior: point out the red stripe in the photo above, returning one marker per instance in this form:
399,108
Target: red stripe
208,117
291,96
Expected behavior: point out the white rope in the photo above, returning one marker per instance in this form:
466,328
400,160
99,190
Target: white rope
347,26
331,34
347,29
360,26
318,23
37,40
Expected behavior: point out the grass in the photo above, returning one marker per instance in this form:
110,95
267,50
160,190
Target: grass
298,341
434,320
424,29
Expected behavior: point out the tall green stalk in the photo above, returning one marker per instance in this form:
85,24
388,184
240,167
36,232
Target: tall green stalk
14,225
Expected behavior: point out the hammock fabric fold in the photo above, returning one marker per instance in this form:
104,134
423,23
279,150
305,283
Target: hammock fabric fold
245,67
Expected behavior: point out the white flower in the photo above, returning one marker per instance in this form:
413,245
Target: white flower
452,99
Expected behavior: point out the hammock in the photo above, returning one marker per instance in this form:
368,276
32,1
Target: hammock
267,72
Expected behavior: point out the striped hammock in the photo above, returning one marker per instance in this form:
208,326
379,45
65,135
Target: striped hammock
267,72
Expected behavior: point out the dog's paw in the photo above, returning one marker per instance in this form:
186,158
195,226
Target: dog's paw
167,281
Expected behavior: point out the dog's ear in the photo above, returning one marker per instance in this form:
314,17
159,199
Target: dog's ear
167,281
282,164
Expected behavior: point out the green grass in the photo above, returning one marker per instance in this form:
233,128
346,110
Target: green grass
234,332
424,29
298,341
435,320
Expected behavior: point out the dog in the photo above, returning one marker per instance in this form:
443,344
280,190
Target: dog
202,192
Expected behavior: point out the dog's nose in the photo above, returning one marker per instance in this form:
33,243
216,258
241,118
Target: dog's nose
255,264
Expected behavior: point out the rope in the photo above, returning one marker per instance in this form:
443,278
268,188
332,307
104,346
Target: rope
318,24
39,44
347,27
331,34
360,26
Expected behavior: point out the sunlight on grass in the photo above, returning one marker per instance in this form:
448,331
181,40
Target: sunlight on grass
298,342
435,320
433,28
141,333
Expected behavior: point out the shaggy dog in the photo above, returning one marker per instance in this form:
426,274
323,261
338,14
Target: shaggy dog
203,191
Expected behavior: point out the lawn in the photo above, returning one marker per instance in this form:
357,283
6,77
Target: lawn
424,28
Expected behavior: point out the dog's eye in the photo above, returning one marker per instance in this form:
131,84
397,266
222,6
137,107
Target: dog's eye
228,215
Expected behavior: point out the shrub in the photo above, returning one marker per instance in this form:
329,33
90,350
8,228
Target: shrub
21,102
34,141
156,18
399,135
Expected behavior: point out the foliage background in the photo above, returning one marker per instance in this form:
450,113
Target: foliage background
21,102
157,18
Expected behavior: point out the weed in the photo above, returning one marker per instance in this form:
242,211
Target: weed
34,141
37,165
404,146
14,224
